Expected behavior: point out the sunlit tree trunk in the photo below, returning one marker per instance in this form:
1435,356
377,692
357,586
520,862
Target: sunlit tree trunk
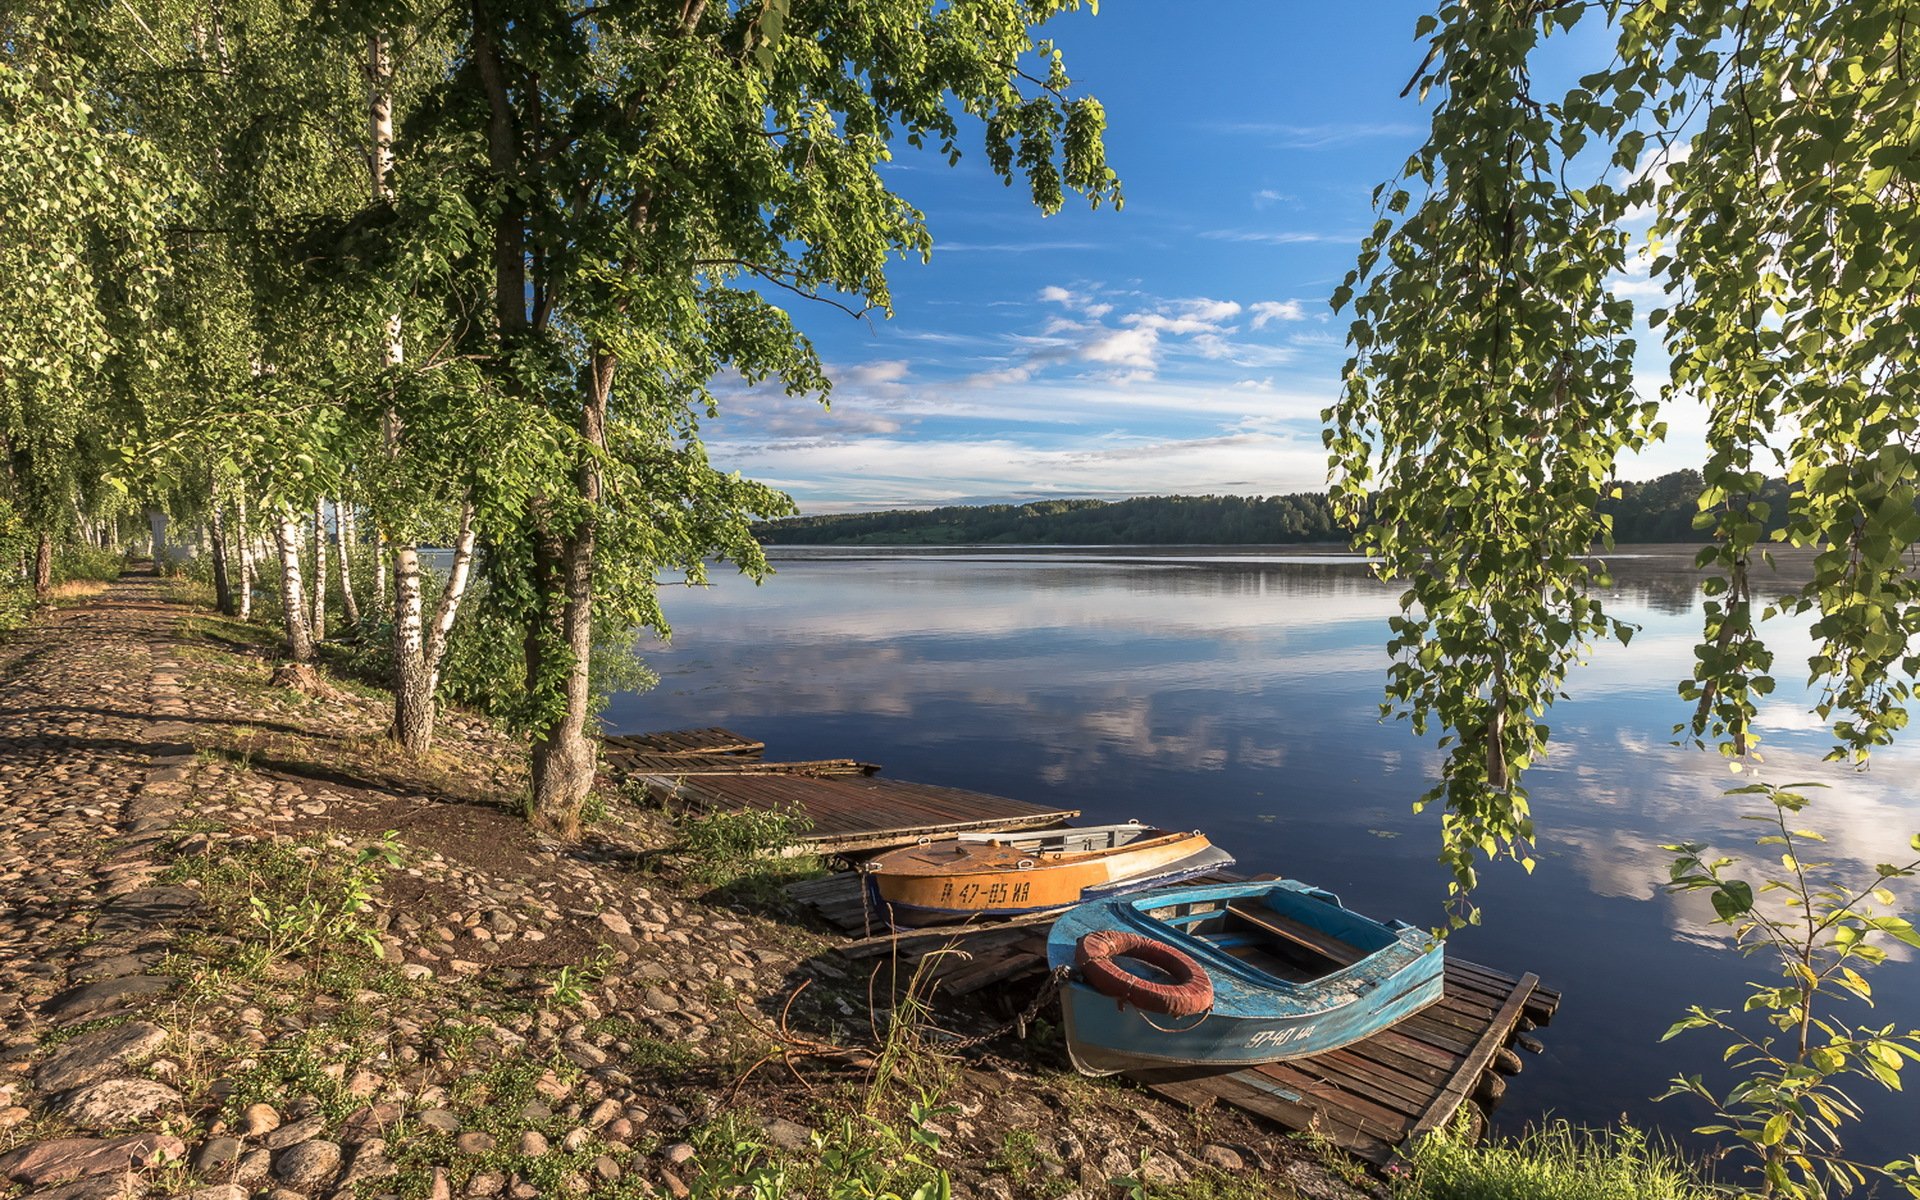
217,534
343,547
564,757
418,645
293,601
320,569
244,609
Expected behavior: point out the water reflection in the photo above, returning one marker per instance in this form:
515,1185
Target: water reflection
1240,693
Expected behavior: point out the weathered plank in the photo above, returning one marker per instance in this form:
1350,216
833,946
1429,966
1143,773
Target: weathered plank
851,814
711,740
1467,1075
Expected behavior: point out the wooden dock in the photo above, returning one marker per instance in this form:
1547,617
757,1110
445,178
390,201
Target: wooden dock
674,742
1367,1098
851,813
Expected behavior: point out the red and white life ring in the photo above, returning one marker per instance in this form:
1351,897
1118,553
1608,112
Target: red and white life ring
1186,992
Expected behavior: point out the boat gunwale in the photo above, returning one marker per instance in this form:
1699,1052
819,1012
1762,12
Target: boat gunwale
1401,952
1044,860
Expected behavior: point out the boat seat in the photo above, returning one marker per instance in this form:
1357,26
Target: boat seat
1324,944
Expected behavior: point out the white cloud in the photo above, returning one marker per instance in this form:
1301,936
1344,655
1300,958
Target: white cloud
1053,294
876,373
1125,347
1266,196
1276,237
1266,311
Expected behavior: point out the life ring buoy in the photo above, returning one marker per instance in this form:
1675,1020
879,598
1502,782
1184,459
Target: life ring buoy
1186,992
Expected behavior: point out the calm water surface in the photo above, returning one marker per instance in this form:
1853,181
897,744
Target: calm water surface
1237,692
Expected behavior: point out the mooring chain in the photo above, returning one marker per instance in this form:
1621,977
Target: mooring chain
1047,992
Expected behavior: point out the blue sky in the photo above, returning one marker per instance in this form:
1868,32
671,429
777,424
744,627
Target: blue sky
1181,345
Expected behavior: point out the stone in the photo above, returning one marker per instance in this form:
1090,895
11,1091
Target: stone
616,924
98,1055
789,1135
473,1142
216,1154
1221,1158
605,1169
675,1187
603,1112
659,1001
98,1187
679,1152
486,1183
533,1144
305,1129
218,1191
308,1165
117,1103
61,1160
91,1000
439,1119
259,1119
13,1115
253,1167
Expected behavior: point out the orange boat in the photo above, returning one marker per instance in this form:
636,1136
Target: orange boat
1009,874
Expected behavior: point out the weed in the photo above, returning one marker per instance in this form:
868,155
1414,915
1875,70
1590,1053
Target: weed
1552,1162
720,847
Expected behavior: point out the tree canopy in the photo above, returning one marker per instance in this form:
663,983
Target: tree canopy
1758,161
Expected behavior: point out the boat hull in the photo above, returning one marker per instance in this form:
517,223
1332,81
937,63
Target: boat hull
1021,873
1256,1017
1105,1039
904,914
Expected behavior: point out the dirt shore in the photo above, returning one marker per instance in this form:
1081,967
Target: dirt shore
247,949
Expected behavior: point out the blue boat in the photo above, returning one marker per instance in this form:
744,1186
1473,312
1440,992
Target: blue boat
1233,975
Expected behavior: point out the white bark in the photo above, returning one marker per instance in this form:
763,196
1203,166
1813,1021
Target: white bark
244,535
320,569
293,602
343,547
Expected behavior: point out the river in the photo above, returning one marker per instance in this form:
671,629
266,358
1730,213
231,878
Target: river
1237,691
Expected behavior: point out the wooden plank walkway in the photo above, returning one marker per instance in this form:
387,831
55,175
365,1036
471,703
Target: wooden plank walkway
685,765
1368,1097
712,740
852,813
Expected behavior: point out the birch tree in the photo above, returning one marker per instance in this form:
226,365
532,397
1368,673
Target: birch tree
653,174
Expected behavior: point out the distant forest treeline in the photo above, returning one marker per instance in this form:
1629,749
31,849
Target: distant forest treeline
1660,510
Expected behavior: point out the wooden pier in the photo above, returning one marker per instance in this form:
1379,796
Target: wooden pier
853,813
1367,1098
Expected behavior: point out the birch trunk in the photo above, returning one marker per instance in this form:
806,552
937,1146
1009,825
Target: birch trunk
244,609
320,569
293,601
217,534
381,601
343,548
418,648
418,645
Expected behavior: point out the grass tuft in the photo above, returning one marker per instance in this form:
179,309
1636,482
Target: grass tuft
1556,1161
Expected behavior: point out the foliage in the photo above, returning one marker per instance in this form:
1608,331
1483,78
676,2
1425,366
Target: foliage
87,562
1657,510
297,900
1554,1161
865,1159
1789,1105
1490,395
722,845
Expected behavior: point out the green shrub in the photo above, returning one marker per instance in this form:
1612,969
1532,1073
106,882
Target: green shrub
1553,1162
721,846
87,562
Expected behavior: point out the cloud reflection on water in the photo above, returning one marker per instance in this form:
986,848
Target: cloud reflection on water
1242,697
